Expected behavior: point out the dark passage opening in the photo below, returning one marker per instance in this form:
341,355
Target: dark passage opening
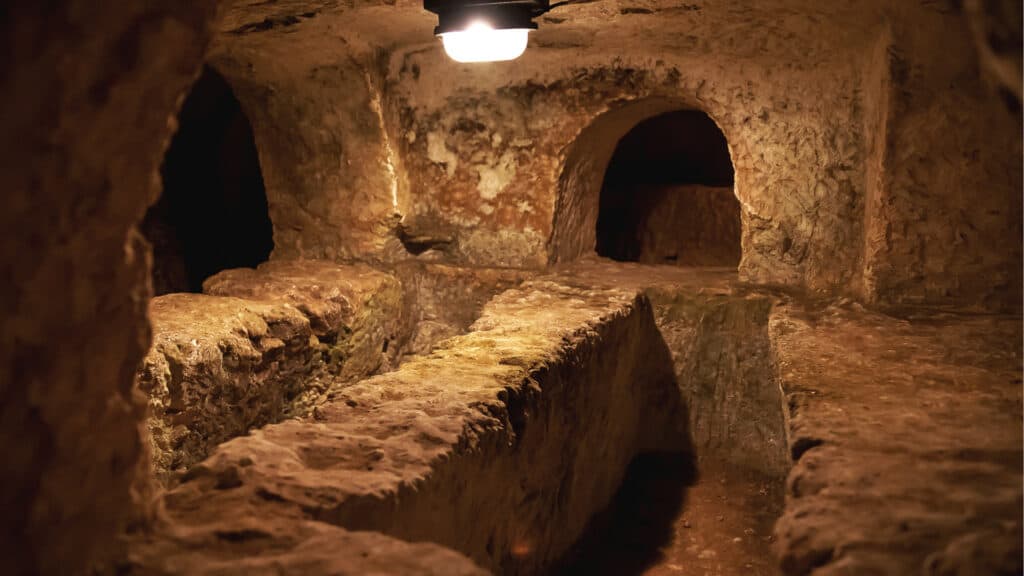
667,196
628,536
213,213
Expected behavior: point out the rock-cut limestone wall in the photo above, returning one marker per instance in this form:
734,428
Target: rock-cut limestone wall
872,157
509,159
501,444
89,93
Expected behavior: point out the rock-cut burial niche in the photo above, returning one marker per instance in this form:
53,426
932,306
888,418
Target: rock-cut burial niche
667,196
212,214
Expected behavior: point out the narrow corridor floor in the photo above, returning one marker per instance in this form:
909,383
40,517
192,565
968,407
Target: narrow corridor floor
670,520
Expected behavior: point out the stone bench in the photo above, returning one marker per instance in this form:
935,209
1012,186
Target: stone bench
501,444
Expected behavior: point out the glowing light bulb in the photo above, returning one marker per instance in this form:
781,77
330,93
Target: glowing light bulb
480,42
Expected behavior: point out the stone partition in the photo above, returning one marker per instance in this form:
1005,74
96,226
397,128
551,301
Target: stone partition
501,444
218,367
270,343
906,438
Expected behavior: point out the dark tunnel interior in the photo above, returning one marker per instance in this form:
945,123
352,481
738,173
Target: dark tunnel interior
667,196
213,213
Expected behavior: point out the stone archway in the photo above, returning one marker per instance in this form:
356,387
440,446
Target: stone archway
578,204
213,213
667,195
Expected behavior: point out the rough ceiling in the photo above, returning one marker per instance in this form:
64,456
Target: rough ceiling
740,26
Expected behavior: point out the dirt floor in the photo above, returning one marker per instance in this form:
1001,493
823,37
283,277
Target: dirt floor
671,519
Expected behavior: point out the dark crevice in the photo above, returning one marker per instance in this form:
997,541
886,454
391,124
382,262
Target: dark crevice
213,213
802,445
628,535
417,242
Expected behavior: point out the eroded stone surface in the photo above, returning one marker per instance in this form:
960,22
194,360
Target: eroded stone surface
445,300
526,422
218,367
871,160
243,545
84,130
550,380
270,343
907,435
354,310
716,330
844,184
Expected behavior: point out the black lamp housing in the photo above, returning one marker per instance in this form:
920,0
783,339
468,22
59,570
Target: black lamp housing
457,15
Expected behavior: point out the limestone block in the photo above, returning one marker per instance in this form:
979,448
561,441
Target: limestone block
218,367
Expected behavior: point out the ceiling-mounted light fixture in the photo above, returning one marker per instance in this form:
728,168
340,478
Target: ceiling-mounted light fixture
486,30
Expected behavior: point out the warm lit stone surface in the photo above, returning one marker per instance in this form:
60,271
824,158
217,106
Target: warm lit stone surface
444,300
218,367
845,183
267,343
877,157
908,439
527,423
500,444
244,545
355,310
716,330
271,342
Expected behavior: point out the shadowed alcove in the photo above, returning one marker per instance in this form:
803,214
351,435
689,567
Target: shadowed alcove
667,196
213,212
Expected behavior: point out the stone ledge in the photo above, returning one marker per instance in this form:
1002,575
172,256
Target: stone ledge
354,310
251,546
906,435
270,342
263,345
219,366
488,446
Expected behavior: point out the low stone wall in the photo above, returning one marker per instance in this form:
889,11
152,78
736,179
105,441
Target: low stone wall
501,444
444,300
219,366
725,372
274,342
355,311
906,437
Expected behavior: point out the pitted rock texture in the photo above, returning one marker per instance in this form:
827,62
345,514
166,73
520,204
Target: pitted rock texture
89,95
725,370
273,342
445,300
716,330
844,187
264,344
498,430
907,440
872,160
527,422
218,367
245,545
941,138
355,310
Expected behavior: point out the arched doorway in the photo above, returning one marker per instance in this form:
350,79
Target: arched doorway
212,214
667,195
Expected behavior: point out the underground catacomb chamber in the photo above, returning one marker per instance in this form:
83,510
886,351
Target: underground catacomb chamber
422,318
649,412
667,195
212,214
557,428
